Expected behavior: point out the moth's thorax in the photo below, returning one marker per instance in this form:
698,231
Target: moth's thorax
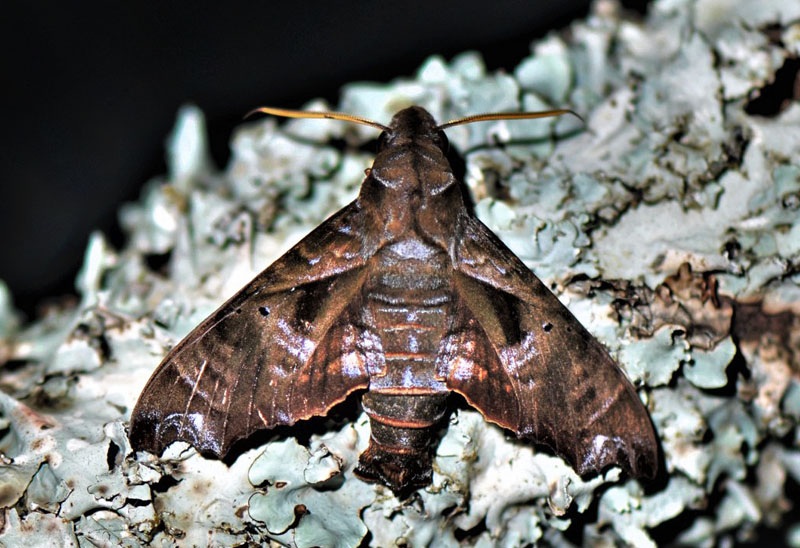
412,187
411,154
415,167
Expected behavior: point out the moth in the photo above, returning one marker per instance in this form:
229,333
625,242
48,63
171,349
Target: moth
406,295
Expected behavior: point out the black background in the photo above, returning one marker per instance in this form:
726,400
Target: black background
91,91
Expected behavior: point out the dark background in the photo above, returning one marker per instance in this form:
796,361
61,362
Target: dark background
91,91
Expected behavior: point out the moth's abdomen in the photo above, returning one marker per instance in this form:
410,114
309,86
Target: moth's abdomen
410,326
407,305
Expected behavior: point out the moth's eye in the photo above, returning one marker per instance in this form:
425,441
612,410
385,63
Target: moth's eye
383,140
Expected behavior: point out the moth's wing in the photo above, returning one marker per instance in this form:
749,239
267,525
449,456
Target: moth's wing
523,360
282,349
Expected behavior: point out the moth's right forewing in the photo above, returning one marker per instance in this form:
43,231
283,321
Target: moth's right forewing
282,349
526,363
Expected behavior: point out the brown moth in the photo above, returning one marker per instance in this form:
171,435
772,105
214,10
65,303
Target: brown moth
405,294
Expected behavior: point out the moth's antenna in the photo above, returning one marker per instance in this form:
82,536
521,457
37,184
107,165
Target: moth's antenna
311,114
508,116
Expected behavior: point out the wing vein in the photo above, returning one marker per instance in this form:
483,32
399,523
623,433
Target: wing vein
200,373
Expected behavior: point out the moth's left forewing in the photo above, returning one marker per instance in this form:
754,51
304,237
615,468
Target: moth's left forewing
282,349
552,381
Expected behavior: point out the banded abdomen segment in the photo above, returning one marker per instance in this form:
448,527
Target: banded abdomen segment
403,429
407,305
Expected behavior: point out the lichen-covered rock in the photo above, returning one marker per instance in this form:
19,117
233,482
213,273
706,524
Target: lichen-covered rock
669,225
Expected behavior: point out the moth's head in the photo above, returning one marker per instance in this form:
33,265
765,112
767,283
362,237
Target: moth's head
412,124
